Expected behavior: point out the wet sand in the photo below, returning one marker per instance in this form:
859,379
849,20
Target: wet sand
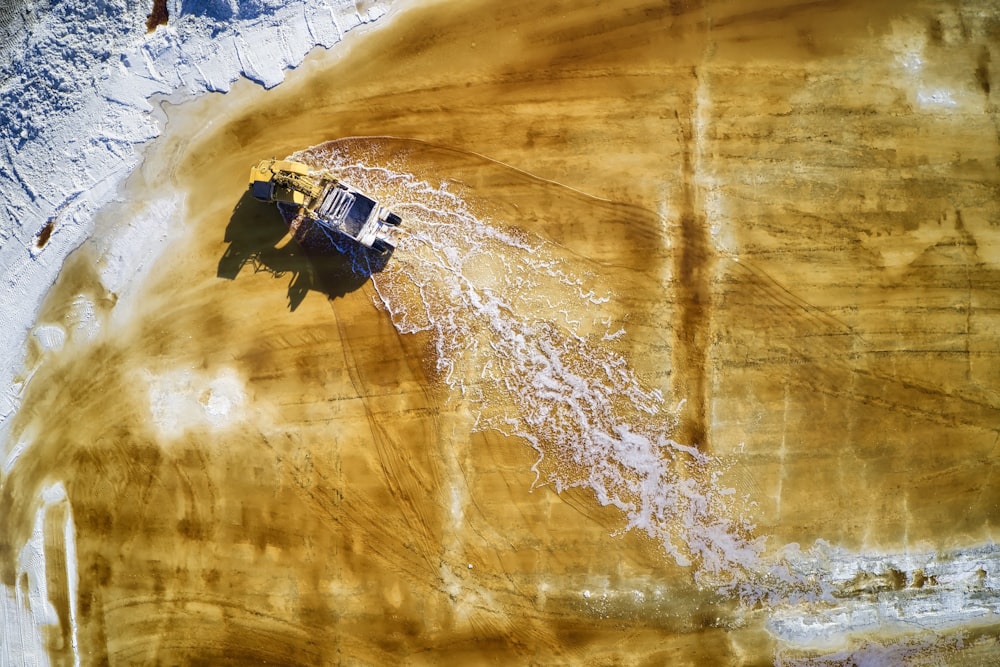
792,208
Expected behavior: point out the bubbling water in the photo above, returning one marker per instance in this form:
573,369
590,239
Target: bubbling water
518,332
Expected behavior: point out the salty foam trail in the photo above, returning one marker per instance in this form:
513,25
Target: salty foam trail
519,333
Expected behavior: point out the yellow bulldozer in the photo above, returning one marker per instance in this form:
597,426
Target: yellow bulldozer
326,201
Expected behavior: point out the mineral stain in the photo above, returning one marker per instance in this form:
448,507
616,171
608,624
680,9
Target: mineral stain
159,16
45,233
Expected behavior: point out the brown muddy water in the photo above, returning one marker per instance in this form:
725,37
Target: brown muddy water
765,233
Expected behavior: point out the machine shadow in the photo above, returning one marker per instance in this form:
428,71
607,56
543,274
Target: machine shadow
314,257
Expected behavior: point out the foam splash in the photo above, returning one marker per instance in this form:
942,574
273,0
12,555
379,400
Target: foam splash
518,332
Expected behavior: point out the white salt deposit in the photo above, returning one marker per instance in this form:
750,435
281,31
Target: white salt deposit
180,400
82,319
907,44
888,593
50,336
14,454
124,258
939,97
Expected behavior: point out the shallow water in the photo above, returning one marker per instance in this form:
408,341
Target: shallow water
764,234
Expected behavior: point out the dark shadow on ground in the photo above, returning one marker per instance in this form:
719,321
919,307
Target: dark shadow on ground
316,259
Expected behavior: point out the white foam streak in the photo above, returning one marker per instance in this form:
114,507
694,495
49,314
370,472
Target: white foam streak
512,325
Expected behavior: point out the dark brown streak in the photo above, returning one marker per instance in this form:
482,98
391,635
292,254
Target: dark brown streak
693,261
45,233
158,16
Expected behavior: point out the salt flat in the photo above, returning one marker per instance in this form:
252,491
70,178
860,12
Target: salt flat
775,224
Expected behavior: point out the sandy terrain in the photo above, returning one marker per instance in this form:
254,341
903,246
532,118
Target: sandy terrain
779,218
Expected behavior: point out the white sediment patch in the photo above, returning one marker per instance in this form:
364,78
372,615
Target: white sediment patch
907,43
82,319
125,257
936,97
50,337
180,400
880,608
73,581
14,453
